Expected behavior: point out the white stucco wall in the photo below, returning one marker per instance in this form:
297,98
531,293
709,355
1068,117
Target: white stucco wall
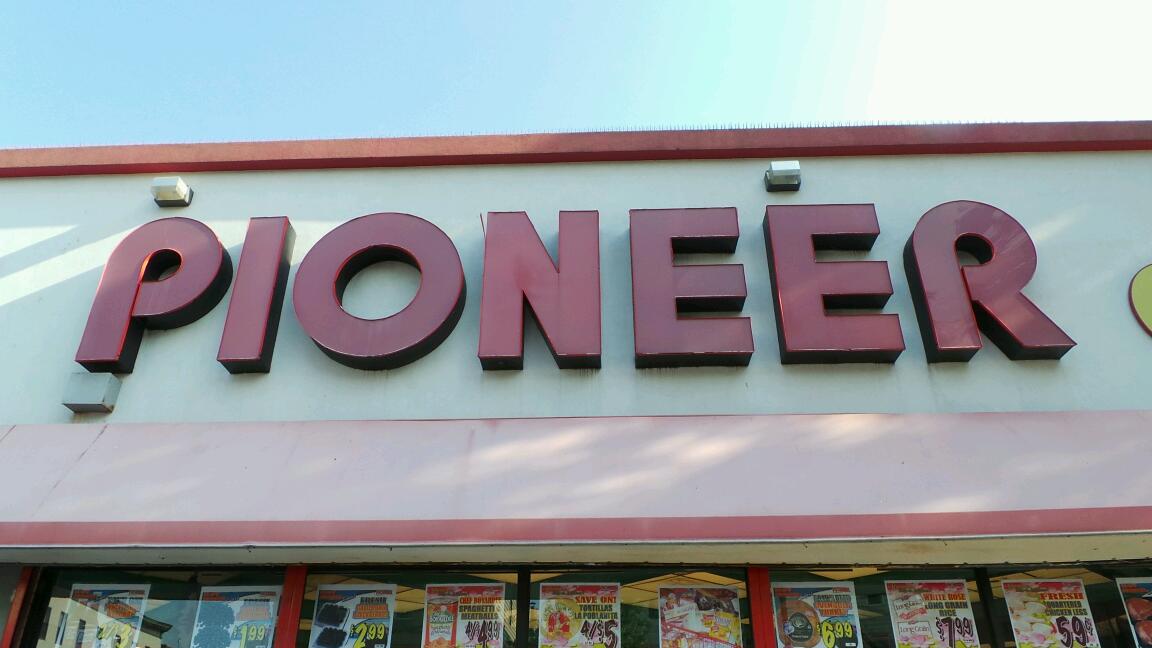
1088,213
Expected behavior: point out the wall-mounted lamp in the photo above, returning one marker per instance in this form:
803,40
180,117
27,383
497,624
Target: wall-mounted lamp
171,191
782,175
91,392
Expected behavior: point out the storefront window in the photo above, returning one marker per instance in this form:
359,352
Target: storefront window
1075,605
855,608
641,608
105,608
408,609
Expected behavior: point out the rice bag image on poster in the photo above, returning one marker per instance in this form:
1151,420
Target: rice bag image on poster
103,616
353,616
236,616
579,615
466,615
1050,613
700,617
931,614
1137,595
816,613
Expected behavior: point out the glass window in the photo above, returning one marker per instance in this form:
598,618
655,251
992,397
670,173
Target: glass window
386,609
106,608
872,606
656,608
1107,608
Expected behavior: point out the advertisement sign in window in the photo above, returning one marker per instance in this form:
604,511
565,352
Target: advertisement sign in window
931,614
1050,613
353,616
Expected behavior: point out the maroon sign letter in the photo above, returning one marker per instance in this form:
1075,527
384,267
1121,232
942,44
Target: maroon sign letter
952,301
257,297
805,288
139,289
662,290
519,273
391,341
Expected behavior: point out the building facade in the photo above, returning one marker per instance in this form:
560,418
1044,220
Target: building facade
581,390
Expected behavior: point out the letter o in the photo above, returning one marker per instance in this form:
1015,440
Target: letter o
398,339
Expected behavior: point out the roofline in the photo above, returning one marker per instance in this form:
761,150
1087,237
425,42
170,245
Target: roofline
580,147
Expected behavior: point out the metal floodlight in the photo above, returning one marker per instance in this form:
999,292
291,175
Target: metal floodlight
782,175
171,191
91,392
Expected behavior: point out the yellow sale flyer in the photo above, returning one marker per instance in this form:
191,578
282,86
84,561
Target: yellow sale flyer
236,616
103,616
1050,614
700,617
353,616
469,615
579,615
931,614
816,613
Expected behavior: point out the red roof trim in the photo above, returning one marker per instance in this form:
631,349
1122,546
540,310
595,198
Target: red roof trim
568,530
580,147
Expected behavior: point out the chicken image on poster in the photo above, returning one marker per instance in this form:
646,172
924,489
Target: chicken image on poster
579,615
103,616
931,614
1137,595
240,616
816,613
1050,614
700,617
353,616
469,615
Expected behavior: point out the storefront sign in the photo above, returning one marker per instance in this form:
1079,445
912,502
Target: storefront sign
353,616
579,615
816,614
954,303
1050,614
236,616
931,614
103,616
1137,595
469,615
700,617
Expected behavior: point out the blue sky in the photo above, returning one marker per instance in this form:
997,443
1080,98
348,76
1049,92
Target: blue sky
94,73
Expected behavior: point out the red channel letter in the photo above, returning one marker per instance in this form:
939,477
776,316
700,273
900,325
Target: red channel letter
805,288
257,297
136,293
565,300
954,303
391,341
662,290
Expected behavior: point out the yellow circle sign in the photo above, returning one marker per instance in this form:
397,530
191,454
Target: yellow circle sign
1140,297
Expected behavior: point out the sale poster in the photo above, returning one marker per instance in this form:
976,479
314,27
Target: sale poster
1137,595
353,616
238,616
469,615
103,616
700,617
579,615
1050,613
808,614
931,614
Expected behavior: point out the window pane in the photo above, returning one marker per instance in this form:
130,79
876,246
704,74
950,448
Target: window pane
386,609
104,608
690,608
874,609
1104,601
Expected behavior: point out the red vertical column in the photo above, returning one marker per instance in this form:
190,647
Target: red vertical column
291,598
760,606
16,612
